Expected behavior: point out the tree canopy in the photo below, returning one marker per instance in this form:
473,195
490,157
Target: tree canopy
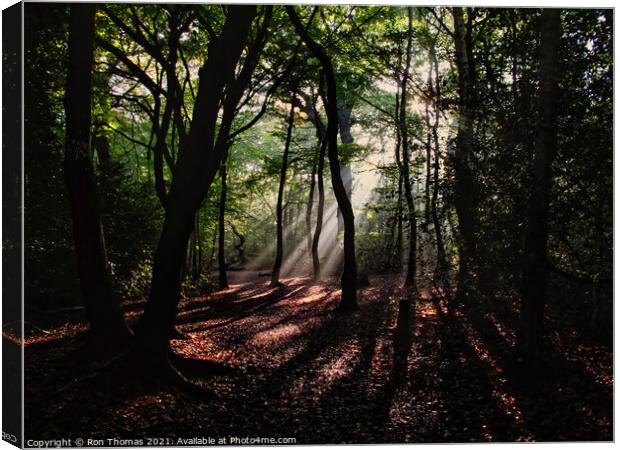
461,154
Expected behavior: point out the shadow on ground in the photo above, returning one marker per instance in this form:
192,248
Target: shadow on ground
298,369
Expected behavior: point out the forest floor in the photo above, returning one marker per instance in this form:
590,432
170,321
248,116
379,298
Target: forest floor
286,365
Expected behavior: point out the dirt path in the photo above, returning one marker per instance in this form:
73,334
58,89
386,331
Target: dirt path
297,369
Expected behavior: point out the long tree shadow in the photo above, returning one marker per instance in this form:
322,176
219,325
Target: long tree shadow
476,409
69,375
382,403
303,370
347,397
223,306
271,399
239,311
560,401
218,298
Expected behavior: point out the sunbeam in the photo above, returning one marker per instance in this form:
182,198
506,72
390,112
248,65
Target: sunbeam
264,260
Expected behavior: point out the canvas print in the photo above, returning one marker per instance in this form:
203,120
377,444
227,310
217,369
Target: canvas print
306,224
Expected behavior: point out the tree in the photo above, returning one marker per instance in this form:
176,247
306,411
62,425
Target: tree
221,255
275,275
349,273
198,162
410,281
442,264
465,186
108,332
322,147
316,177
534,282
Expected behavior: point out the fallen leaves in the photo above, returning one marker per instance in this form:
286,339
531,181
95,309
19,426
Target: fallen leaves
323,377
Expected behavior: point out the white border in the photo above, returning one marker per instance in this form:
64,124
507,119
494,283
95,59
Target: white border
496,3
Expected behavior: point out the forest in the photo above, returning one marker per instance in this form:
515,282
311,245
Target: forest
317,224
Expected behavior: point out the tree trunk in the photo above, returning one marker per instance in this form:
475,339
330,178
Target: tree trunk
108,331
190,254
428,147
212,256
465,188
197,165
344,125
427,183
310,205
239,246
316,262
321,134
399,224
347,179
221,255
399,192
161,151
441,252
275,275
534,280
410,281
102,148
160,148
198,254
349,273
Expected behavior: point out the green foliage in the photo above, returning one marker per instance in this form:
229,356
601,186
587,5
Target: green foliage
366,44
132,218
202,286
349,152
51,276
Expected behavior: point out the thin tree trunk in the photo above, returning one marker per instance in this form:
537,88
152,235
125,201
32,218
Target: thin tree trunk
441,252
322,137
310,205
316,262
213,245
390,243
344,126
428,148
349,273
102,148
534,280
108,331
399,192
275,275
221,255
161,151
190,254
293,214
410,281
399,217
239,246
199,248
